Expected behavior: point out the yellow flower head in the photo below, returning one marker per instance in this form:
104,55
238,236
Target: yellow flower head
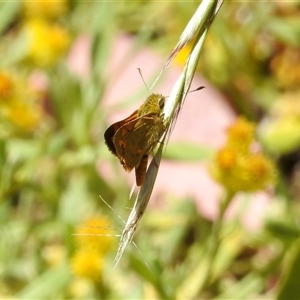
183,54
25,116
259,169
241,134
45,8
87,263
6,86
226,158
47,43
236,167
20,106
286,67
93,234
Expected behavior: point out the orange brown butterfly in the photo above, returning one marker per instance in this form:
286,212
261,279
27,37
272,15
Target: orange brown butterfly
132,140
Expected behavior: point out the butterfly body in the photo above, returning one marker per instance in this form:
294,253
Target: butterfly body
132,140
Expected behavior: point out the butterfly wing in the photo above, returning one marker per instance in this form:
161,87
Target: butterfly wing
137,138
111,130
153,134
129,142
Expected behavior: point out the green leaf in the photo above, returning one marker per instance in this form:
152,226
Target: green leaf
76,201
152,275
183,151
286,30
22,150
3,151
8,11
289,283
244,289
283,231
47,285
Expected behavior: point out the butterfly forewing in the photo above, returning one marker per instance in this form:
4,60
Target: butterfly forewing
112,129
135,139
132,139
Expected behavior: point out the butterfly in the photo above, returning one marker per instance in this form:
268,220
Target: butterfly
132,140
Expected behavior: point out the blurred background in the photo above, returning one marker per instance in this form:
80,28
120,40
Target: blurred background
68,69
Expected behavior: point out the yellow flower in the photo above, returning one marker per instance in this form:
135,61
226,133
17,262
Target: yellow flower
226,158
25,116
93,234
47,43
87,263
19,105
236,167
286,67
6,85
183,54
241,134
45,8
92,244
260,170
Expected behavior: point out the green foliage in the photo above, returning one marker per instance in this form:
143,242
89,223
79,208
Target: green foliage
187,152
289,288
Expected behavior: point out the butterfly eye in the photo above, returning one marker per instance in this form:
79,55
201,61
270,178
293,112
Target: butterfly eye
161,103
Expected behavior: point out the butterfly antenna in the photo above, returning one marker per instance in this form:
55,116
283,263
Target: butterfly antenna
143,80
197,89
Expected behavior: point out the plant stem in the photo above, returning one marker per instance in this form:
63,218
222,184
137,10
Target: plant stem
215,240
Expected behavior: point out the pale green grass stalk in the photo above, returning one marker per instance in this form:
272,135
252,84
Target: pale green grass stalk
199,24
